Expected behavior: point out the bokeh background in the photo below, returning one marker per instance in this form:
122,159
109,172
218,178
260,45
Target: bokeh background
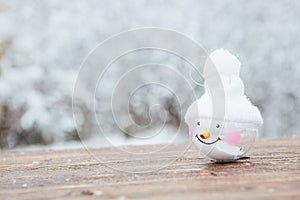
42,44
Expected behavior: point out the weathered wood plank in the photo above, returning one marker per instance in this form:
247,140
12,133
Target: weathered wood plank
273,171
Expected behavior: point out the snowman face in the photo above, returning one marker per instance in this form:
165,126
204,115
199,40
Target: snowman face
222,140
207,132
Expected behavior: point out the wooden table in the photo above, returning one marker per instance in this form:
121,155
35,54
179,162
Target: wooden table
273,172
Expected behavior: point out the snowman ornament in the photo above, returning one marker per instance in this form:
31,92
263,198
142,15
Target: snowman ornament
229,136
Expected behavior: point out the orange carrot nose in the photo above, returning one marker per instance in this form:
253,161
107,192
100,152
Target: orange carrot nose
205,134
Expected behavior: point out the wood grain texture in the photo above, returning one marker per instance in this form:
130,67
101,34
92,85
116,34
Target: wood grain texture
272,172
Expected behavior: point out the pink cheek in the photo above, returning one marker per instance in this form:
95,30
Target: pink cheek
233,137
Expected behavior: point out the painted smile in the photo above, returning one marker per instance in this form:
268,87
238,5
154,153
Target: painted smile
208,143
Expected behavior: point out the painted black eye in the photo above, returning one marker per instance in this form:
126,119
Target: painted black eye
218,126
198,123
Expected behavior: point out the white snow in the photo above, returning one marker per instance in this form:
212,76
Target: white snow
227,64
238,107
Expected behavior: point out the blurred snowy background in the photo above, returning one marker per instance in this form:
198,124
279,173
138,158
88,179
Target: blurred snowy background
42,44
